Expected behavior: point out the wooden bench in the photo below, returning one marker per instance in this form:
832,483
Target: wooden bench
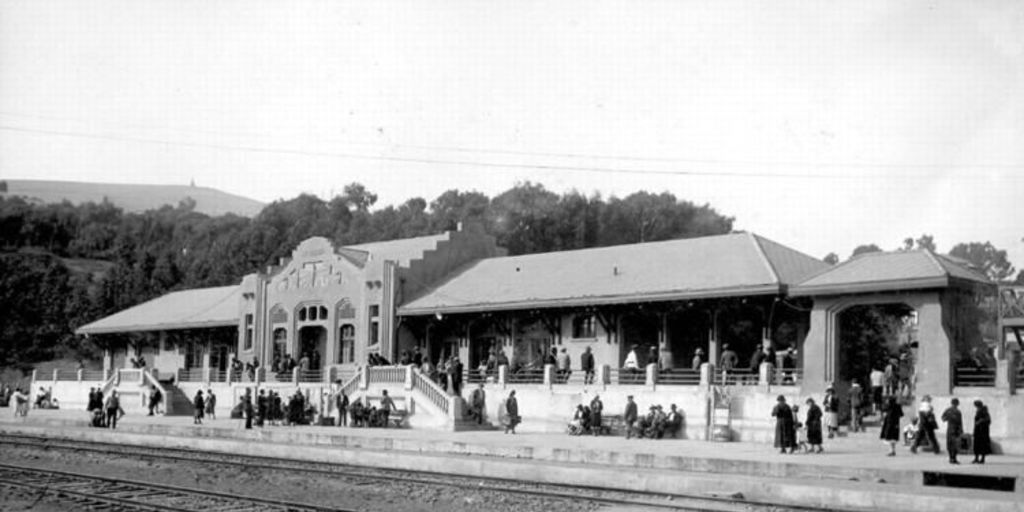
612,424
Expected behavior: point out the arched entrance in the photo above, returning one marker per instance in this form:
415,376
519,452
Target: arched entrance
313,344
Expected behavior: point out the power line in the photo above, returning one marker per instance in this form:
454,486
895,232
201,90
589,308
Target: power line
543,167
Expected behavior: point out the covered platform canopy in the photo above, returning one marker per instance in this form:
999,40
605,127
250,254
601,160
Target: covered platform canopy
733,265
890,272
188,309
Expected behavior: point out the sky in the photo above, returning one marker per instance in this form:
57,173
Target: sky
821,125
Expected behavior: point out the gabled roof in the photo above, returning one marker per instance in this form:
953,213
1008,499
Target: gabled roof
402,251
889,271
188,309
714,266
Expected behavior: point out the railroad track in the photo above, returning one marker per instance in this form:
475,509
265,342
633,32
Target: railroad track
98,493
678,502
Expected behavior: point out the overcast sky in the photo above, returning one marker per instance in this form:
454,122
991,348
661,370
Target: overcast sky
821,125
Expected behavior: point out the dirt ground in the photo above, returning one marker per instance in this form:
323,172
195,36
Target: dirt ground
340,491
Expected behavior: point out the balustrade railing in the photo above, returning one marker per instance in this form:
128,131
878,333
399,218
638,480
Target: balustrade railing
128,375
974,377
218,376
352,384
431,390
679,377
385,374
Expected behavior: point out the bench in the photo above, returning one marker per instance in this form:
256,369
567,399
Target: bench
398,417
612,424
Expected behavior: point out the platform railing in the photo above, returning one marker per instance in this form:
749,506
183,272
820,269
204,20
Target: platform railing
92,375
311,376
130,375
1020,378
974,377
526,376
679,377
737,377
65,375
218,375
431,391
190,375
790,377
627,376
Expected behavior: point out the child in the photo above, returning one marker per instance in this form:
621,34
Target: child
910,431
801,432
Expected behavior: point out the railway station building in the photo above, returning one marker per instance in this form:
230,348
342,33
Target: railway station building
679,304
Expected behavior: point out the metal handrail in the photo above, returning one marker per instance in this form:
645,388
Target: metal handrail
683,377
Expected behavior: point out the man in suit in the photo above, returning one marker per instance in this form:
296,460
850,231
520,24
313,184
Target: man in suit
630,416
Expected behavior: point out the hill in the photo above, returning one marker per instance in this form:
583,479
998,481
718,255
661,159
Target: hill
133,198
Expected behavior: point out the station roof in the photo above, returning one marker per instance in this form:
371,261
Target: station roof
890,271
187,309
716,266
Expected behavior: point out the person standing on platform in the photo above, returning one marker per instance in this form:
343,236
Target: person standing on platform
785,428
247,409
632,363
727,362
386,406
154,399
211,404
877,378
114,411
629,417
892,377
341,404
892,412
587,366
698,359
954,429
926,426
982,440
478,404
813,425
262,406
417,356
564,365
596,407
831,406
511,413
198,407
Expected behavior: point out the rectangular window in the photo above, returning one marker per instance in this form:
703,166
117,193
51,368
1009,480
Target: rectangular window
248,333
584,326
374,326
348,344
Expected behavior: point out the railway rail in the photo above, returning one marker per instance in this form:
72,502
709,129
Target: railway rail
100,493
675,502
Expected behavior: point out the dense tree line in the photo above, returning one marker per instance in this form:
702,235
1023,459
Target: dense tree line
64,265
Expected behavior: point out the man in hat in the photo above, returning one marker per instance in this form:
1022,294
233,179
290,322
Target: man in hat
831,406
629,416
698,359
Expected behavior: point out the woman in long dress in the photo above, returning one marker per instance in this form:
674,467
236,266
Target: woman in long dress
982,441
813,425
511,413
891,424
785,431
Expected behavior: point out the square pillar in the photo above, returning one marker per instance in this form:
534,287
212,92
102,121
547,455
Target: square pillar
764,377
503,375
549,375
604,375
295,376
707,375
408,377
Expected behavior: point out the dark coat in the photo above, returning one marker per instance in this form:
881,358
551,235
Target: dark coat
891,423
982,441
813,424
785,428
200,406
512,407
630,414
954,422
587,362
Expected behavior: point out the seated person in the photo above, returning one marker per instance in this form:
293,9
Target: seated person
674,421
357,412
580,423
910,432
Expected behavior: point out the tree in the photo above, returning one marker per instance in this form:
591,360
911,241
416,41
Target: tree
864,249
926,242
986,258
831,258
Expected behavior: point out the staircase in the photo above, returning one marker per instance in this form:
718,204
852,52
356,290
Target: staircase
429,406
176,402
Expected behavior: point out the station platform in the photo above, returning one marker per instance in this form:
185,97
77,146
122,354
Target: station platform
854,473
